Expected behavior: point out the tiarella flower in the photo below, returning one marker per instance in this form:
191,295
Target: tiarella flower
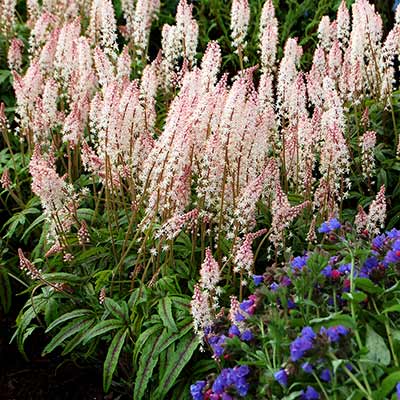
310,394
209,272
329,226
281,377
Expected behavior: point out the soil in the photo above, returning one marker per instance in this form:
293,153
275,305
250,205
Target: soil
43,378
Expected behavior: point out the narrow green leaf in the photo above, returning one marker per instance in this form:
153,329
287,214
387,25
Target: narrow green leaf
141,340
70,315
387,385
110,364
147,362
56,277
176,336
394,308
165,312
114,308
71,329
182,356
77,339
101,328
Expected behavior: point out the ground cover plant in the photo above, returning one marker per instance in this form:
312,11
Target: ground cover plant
160,160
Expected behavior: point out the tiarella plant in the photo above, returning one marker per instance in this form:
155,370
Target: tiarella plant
151,163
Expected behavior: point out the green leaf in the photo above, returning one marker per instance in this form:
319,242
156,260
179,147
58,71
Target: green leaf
334,319
67,316
71,329
147,362
112,358
165,312
356,297
101,328
182,356
367,286
141,340
394,308
387,385
64,277
78,338
115,309
377,349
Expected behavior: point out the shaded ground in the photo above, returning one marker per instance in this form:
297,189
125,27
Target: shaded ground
43,378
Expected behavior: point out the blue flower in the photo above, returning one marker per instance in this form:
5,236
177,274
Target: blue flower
393,255
274,286
239,317
246,336
298,347
334,332
369,264
327,271
217,344
281,377
298,263
378,242
329,226
310,394
345,268
326,375
398,391
258,279
234,331
307,367
196,390
302,344
395,5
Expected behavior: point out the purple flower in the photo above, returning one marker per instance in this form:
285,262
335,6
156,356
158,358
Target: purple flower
246,336
393,234
299,346
291,304
329,226
345,268
308,333
326,375
258,279
217,344
242,370
234,331
285,281
393,255
281,377
307,367
369,264
226,396
239,317
327,271
378,242
196,390
298,263
274,286
302,344
334,332
310,394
